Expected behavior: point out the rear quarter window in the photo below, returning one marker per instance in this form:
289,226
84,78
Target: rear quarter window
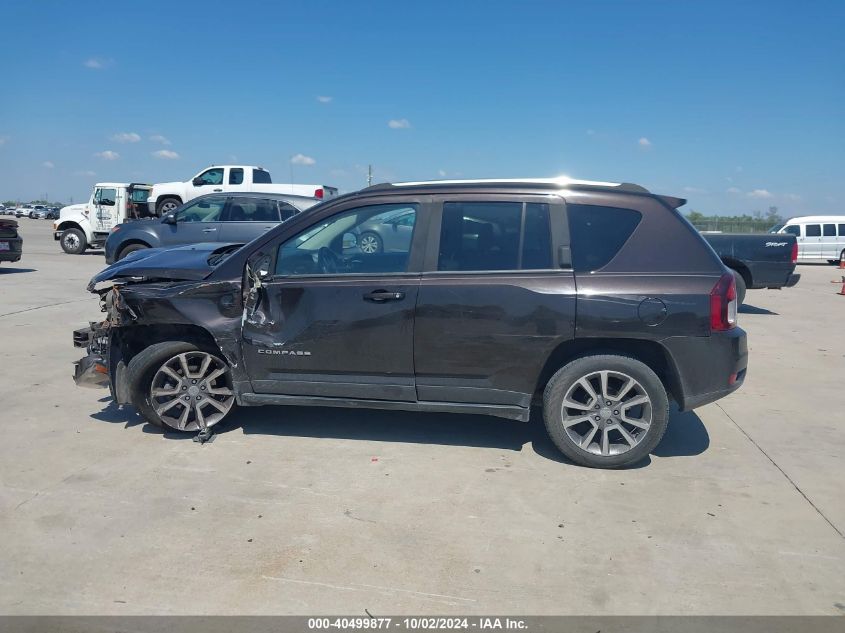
597,233
261,177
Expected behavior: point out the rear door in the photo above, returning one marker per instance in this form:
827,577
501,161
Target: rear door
334,321
246,218
493,298
829,248
810,245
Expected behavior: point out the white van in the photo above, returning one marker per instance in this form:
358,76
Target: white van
821,238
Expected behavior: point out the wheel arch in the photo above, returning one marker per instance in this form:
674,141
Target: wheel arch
650,353
130,242
134,339
739,267
69,224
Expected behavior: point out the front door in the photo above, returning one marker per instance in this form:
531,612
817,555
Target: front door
810,244
198,221
333,320
105,209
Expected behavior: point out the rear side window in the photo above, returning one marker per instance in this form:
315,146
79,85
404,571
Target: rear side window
481,236
261,177
236,176
813,230
597,233
829,230
252,210
287,210
793,229
842,230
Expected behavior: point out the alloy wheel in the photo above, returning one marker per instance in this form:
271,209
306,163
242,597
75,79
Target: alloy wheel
191,391
369,244
606,413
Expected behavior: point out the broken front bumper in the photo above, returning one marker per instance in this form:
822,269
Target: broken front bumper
91,370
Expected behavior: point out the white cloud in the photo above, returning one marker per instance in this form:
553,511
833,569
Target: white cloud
48,164
97,63
302,159
166,154
158,138
759,193
441,173
399,124
86,173
322,99
644,142
734,190
694,190
107,155
126,137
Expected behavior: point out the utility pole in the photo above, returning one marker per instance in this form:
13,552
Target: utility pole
369,175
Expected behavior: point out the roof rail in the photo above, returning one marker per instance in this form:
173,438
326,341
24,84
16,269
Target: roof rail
562,183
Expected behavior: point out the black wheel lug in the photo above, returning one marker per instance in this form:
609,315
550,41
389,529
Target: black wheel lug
184,387
187,398
199,397
616,413
193,382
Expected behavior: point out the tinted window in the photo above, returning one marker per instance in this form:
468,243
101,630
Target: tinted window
140,195
287,210
202,210
842,230
236,176
105,196
829,229
252,210
813,230
360,240
212,176
261,177
489,236
794,229
597,233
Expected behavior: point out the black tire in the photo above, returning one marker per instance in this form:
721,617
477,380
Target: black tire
131,248
741,288
164,205
371,238
567,377
142,369
73,241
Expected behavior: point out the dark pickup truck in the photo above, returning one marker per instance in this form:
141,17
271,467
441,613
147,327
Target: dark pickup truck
11,243
758,260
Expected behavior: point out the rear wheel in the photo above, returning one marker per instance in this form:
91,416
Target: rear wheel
605,411
73,241
179,385
130,249
370,243
740,287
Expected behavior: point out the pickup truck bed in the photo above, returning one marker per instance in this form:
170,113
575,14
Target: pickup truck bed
759,260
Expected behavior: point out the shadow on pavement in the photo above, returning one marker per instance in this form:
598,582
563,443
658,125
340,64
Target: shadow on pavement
5,270
749,309
685,435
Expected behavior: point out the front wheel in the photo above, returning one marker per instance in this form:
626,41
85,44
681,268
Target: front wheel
73,241
130,249
180,385
605,411
370,243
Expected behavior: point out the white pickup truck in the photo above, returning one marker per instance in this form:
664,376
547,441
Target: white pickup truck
81,226
166,196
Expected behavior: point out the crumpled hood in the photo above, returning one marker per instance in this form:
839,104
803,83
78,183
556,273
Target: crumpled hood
184,263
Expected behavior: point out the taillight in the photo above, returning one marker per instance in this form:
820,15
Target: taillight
723,304
318,193
795,253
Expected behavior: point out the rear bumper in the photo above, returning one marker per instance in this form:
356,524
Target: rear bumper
793,279
15,249
708,368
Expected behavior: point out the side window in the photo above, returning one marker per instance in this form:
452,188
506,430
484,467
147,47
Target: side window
356,241
794,229
813,230
203,210
236,176
105,197
480,236
829,230
287,210
213,176
261,177
252,210
597,233
842,230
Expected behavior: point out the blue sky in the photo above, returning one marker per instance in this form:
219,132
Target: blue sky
736,106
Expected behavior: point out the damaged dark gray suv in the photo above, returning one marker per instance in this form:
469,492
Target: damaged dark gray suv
597,299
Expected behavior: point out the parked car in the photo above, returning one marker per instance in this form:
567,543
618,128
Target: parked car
52,213
757,260
232,217
23,211
167,196
598,299
36,210
820,237
11,243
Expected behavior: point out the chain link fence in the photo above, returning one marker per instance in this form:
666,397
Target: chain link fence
733,226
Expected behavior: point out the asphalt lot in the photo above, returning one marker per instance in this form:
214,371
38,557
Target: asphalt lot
311,511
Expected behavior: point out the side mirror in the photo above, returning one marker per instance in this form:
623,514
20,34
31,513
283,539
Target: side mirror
198,182
168,218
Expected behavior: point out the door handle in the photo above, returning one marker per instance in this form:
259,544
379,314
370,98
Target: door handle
208,230
218,190
380,296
